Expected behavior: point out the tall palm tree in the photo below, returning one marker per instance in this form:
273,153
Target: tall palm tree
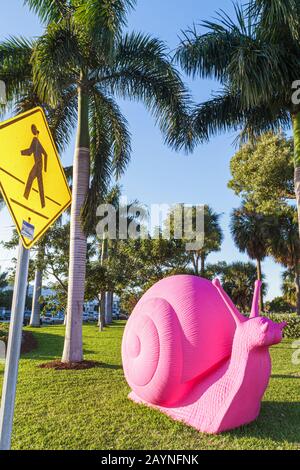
250,231
84,59
284,245
213,237
288,287
238,280
256,59
125,217
16,71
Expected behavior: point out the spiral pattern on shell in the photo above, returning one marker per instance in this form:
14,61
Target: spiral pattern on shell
152,352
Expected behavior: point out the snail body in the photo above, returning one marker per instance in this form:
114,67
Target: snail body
188,351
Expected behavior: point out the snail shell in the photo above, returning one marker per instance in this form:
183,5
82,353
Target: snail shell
179,331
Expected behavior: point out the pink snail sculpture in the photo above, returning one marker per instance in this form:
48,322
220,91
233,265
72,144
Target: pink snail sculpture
189,352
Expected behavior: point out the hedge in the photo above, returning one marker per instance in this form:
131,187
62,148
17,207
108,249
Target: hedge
4,327
292,330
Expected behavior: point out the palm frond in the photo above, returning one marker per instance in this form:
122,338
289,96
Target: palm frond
117,130
232,52
226,112
15,69
142,70
50,10
56,60
270,13
209,54
62,118
110,151
103,21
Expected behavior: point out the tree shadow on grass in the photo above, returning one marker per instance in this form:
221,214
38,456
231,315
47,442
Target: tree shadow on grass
50,346
278,421
116,325
105,365
295,375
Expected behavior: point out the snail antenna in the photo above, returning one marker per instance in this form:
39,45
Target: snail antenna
255,303
237,316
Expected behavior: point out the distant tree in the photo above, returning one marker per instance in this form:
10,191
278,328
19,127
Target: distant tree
288,287
3,280
284,245
128,301
212,240
6,298
213,237
263,173
250,231
279,305
238,280
250,55
3,286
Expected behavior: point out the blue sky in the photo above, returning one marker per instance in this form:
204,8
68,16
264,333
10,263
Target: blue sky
157,174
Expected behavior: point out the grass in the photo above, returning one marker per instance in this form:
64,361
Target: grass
89,409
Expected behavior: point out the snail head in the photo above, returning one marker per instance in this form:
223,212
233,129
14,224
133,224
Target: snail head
257,330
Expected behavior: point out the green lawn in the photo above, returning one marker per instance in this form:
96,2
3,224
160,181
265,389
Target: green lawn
89,409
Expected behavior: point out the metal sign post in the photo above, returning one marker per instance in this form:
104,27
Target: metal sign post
13,349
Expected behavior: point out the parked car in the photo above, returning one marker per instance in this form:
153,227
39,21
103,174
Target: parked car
85,316
27,315
7,315
59,318
47,319
123,316
95,316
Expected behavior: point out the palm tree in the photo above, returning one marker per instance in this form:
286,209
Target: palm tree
284,245
249,231
256,59
213,237
238,280
82,62
288,287
108,246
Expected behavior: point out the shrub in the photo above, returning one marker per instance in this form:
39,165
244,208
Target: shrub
278,305
292,330
4,328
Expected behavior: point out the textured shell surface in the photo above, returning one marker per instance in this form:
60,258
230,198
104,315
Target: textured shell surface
179,330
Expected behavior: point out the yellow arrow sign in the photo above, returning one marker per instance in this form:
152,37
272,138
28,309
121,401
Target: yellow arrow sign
32,180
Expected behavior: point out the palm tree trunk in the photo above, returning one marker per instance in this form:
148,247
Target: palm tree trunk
297,285
108,313
259,277
101,322
296,130
78,242
35,318
202,266
102,296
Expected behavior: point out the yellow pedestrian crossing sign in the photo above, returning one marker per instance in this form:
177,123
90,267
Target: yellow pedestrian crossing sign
32,180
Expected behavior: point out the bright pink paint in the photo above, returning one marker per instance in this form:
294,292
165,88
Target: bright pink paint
189,352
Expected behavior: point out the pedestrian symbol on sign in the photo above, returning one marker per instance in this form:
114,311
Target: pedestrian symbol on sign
36,149
32,180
